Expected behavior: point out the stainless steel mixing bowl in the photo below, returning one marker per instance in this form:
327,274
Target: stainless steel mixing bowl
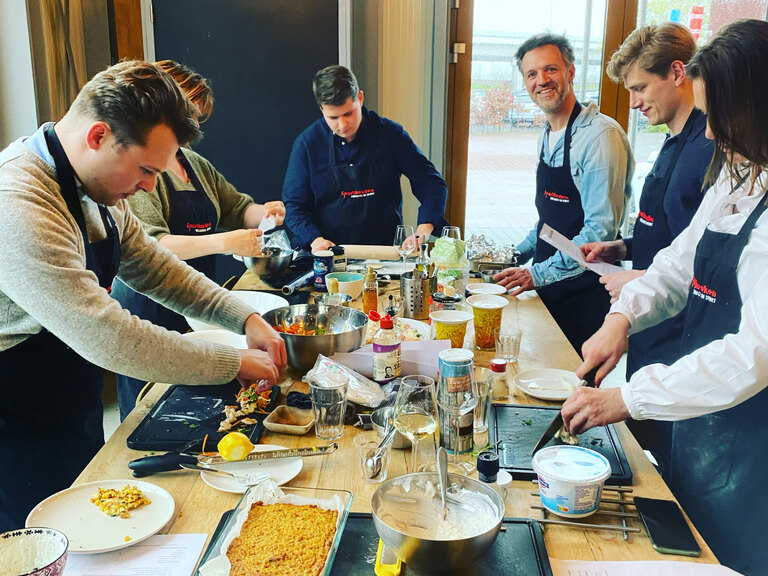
431,556
272,262
344,331
379,418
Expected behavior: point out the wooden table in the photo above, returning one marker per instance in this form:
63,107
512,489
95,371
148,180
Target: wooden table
199,507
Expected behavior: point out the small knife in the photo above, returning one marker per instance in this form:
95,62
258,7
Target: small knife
557,423
173,461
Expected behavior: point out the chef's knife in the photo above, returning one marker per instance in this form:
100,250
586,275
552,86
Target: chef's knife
557,423
172,460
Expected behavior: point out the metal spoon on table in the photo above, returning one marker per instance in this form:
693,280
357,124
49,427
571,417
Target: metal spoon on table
442,476
373,462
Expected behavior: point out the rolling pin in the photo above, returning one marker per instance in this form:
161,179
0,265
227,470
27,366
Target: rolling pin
373,252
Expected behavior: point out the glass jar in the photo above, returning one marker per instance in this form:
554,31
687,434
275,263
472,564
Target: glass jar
499,384
441,301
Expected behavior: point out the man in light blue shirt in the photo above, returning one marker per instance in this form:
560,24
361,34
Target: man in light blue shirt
582,188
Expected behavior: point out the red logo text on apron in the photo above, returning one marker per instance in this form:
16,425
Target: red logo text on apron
555,197
703,292
199,228
644,218
358,193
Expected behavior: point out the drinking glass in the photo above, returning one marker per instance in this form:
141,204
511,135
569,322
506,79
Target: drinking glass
452,232
404,242
508,343
415,412
458,396
328,393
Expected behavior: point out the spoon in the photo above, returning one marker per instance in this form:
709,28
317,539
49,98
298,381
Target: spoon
442,476
248,479
373,463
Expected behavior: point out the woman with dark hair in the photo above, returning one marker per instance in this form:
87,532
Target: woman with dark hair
715,272
195,213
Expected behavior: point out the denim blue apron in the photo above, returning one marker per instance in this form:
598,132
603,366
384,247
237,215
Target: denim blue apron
42,453
719,462
192,213
359,205
578,304
660,343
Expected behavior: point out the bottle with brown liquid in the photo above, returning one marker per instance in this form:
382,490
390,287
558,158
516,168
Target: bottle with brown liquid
370,291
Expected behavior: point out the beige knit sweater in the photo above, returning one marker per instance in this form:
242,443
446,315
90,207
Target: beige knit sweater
44,283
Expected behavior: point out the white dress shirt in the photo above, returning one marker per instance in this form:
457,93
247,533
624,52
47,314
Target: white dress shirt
729,370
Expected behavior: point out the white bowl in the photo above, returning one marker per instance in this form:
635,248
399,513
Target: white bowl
261,301
33,552
220,337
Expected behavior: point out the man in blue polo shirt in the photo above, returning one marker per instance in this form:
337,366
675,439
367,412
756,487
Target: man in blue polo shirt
651,64
342,185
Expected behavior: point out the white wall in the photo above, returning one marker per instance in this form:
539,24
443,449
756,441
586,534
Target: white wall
18,116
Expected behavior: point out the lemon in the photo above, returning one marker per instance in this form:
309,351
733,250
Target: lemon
234,446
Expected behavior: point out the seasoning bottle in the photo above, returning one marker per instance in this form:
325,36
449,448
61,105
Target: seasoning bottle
386,350
499,388
339,259
422,262
370,291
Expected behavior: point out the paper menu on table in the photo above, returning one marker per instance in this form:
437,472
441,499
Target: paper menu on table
159,555
637,568
567,247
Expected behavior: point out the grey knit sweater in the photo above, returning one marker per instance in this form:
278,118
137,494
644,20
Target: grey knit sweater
44,283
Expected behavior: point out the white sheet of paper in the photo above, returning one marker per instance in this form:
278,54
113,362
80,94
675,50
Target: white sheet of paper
567,247
416,357
637,568
159,555
267,224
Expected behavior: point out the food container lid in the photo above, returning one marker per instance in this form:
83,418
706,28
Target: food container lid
337,250
451,355
504,479
443,298
571,464
498,365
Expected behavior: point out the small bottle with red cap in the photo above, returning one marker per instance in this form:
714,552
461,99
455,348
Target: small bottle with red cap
386,349
499,383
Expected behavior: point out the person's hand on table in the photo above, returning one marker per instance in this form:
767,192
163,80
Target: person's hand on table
243,242
615,281
424,231
320,243
604,251
275,208
260,335
515,280
257,366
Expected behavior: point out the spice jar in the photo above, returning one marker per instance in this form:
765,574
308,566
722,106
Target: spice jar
499,388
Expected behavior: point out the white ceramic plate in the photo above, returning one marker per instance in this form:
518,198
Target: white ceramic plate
90,530
281,470
547,383
422,328
485,288
262,301
220,337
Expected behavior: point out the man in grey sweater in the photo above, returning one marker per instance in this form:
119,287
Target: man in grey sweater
65,232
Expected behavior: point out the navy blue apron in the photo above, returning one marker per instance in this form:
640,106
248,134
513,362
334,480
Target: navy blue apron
356,193
42,452
192,213
660,343
719,461
577,304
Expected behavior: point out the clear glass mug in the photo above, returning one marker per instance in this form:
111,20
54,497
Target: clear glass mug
507,342
328,393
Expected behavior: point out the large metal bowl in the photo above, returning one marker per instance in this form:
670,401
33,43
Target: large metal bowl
272,262
344,331
430,556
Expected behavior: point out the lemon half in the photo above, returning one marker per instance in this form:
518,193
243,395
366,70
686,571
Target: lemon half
234,446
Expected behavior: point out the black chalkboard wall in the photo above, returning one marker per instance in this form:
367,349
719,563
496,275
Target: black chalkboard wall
260,56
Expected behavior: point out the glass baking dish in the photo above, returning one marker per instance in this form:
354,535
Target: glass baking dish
325,498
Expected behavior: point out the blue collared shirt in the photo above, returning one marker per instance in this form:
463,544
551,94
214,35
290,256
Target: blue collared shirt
601,166
684,191
305,178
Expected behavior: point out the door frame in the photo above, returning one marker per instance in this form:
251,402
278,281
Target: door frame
620,21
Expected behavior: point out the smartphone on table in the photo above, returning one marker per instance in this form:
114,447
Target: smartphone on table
666,527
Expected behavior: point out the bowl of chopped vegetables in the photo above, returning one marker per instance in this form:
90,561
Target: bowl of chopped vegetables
312,329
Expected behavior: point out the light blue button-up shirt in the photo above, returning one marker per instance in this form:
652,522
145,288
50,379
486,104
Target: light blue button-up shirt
601,166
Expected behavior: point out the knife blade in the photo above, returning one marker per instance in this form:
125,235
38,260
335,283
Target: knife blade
173,461
557,422
271,454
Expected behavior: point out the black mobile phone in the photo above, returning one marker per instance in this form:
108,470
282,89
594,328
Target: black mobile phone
666,527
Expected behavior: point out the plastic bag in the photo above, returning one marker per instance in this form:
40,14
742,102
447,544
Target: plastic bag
361,390
279,240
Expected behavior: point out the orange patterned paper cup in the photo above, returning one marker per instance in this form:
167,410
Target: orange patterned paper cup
451,325
487,311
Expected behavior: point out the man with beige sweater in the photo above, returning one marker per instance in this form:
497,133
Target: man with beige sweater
65,232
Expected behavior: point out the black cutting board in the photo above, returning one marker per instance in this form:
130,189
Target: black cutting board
519,428
518,551
187,413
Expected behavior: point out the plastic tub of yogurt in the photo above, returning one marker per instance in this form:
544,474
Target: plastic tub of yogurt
570,479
